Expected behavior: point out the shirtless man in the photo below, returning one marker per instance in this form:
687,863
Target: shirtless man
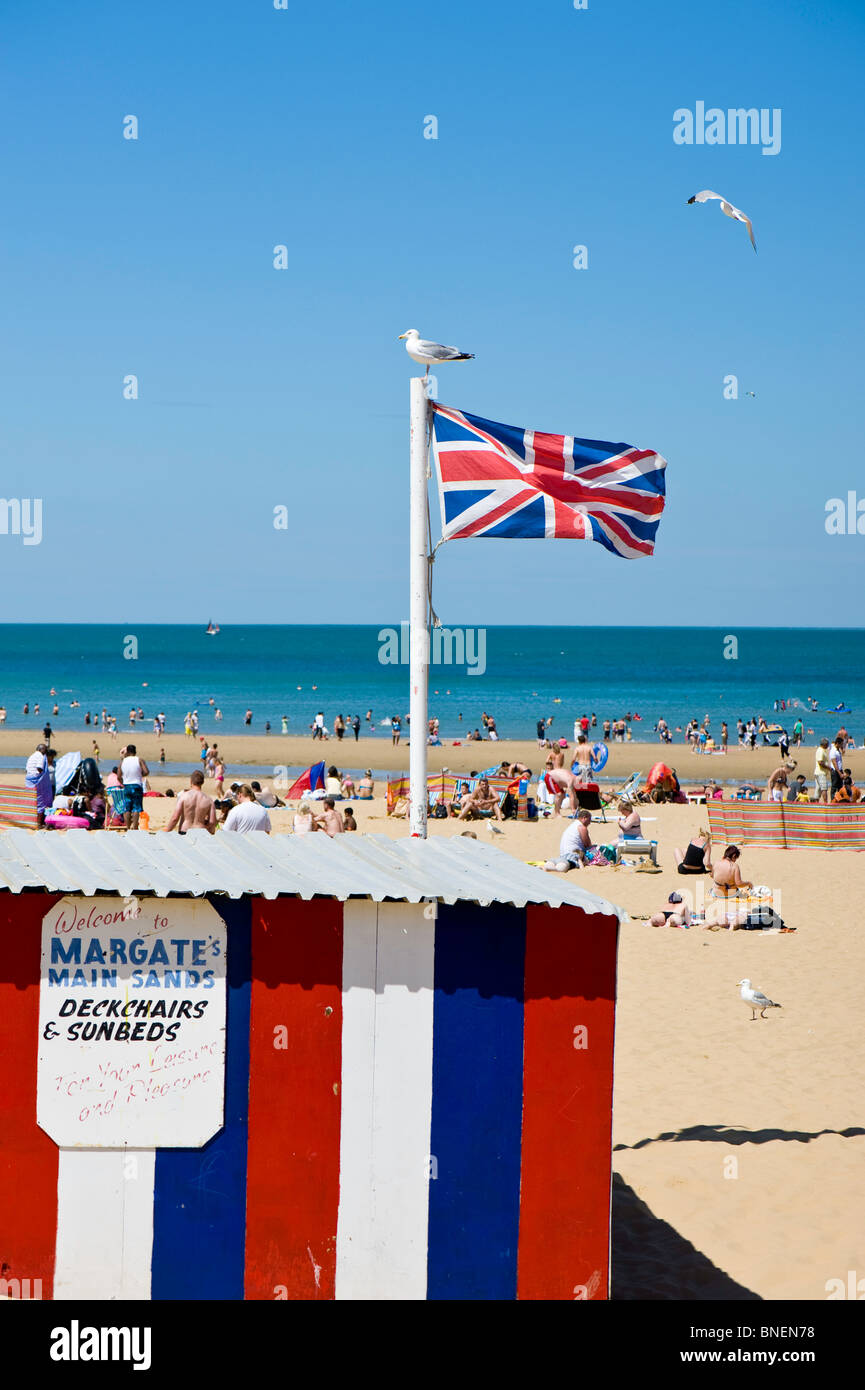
557,757
560,782
514,770
481,799
331,822
575,844
583,759
194,809
776,787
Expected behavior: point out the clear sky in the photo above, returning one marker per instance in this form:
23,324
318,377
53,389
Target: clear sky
260,387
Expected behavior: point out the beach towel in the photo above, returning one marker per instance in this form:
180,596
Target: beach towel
41,782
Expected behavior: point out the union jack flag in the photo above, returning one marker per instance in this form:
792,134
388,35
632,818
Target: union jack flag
497,480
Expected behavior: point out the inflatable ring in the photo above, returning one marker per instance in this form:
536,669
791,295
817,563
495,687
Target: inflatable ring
600,753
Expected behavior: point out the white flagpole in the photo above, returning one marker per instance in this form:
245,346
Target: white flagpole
419,610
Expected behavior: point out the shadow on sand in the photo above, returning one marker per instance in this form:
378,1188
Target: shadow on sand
650,1260
724,1134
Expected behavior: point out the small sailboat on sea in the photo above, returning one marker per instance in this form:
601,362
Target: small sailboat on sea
212,628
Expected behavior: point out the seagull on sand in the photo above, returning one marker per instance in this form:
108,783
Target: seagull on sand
431,354
727,209
756,1000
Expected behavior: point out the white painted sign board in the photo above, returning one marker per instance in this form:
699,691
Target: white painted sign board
132,1023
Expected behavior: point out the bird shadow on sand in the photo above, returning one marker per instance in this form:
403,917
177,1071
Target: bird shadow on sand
651,1261
724,1134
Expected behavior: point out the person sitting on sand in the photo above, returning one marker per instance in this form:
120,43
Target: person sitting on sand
366,786
727,876
696,858
348,820
847,792
266,796
798,789
331,821
94,808
674,913
347,786
247,816
629,821
304,821
481,800
333,784
574,846
194,809
560,782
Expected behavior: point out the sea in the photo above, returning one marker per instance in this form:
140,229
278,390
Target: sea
526,673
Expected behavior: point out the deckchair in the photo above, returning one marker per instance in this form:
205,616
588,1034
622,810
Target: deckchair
626,792
589,799
115,809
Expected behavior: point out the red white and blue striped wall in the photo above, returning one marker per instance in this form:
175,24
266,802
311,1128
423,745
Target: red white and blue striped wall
411,1111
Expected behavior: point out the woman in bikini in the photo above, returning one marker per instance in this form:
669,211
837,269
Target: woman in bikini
727,876
674,913
727,911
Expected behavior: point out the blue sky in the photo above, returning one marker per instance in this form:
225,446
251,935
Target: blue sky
261,387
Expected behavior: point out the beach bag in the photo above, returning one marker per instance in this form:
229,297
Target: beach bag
597,859
763,919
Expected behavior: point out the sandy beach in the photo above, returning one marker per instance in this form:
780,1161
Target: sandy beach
725,1130
275,751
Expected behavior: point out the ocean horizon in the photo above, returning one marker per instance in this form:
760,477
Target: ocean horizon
528,672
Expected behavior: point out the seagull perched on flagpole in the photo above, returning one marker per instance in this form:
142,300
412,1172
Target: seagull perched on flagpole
756,1000
727,209
419,350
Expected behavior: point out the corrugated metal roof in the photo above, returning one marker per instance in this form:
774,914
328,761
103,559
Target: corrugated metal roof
449,870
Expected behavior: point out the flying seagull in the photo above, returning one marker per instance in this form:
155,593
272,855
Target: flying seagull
750,393
431,354
727,209
756,1000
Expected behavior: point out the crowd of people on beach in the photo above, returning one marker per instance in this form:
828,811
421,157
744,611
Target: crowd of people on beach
117,802
698,735
564,783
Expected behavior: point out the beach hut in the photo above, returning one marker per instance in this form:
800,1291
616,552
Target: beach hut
255,1067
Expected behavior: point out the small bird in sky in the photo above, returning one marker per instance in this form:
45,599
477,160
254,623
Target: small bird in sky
756,1000
431,354
727,209
750,393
